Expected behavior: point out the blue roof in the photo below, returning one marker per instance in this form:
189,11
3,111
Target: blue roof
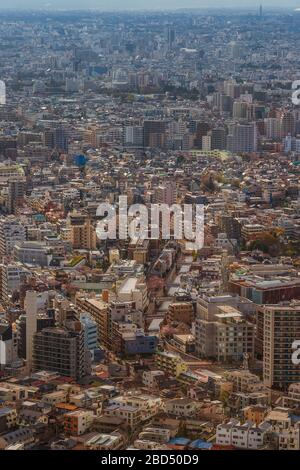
199,444
294,418
179,441
4,411
112,407
80,160
39,217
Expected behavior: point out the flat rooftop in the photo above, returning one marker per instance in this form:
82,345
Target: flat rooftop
128,286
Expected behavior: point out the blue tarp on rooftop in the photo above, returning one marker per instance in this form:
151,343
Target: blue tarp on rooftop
179,441
199,444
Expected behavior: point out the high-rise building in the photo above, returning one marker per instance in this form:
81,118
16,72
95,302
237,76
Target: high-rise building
44,320
281,327
16,193
31,309
242,138
287,124
8,345
232,89
231,226
170,37
222,102
226,335
61,350
133,136
56,138
83,234
272,128
234,50
11,232
2,93
154,133
202,129
291,144
206,142
98,310
90,331
218,139
12,275
240,109
166,193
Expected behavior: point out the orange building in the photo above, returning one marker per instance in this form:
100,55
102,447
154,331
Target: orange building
77,422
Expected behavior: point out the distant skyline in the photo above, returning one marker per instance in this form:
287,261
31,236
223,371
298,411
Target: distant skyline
110,5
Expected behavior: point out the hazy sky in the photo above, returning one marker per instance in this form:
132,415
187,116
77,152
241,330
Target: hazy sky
139,4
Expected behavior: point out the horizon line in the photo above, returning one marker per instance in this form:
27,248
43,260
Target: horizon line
239,8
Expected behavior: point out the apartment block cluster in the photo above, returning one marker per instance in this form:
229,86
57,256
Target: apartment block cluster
146,342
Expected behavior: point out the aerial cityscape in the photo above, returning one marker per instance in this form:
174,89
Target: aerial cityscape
150,228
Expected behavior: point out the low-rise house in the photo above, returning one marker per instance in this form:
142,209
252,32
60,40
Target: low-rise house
172,364
108,424
239,400
255,413
148,405
163,420
150,377
8,418
28,417
141,444
53,398
213,410
25,436
155,434
245,381
285,427
292,399
13,392
182,407
130,414
241,436
113,441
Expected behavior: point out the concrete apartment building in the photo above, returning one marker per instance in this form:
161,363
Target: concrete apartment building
281,329
83,234
285,427
78,422
292,399
172,364
8,345
130,415
222,332
180,312
60,350
244,381
147,405
32,252
182,407
11,232
134,289
98,309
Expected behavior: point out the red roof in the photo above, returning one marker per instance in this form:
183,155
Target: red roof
219,447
